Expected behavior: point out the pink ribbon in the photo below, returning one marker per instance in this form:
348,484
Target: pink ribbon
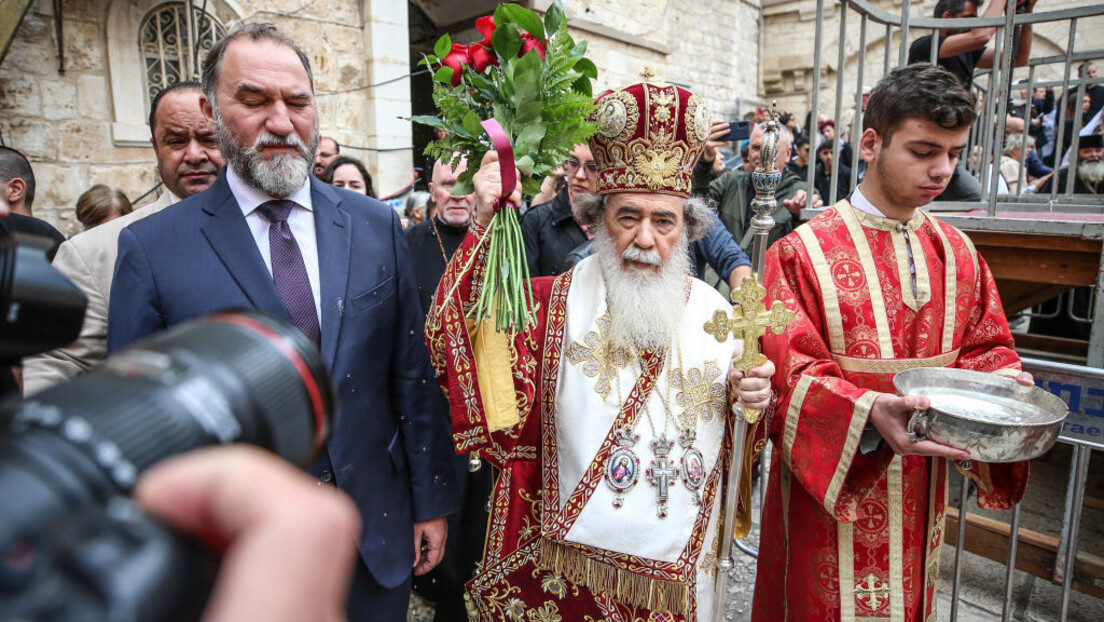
507,168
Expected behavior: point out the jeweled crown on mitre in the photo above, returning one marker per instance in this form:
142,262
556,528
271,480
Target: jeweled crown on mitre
649,138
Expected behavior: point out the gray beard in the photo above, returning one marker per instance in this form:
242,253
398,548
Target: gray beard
277,177
1091,173
645,307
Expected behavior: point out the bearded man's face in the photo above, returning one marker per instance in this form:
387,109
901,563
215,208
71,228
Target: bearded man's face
1090,166
645,228
643,252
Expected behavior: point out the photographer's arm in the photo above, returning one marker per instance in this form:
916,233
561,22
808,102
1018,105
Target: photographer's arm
289,544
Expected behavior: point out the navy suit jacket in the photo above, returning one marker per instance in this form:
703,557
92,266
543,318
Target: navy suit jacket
391,446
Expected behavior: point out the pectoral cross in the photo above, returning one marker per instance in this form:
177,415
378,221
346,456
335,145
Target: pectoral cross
750,321
661,474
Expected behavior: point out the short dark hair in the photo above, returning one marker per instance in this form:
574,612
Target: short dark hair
827,145
800,141
954,7
212,64
327,175
188,84
14,165
918,91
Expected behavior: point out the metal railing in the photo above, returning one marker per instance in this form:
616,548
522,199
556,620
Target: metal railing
989,129
1087,382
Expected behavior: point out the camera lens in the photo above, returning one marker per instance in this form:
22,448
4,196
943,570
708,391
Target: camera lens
227,378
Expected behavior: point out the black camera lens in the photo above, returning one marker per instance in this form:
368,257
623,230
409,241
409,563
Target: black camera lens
39,308
227,378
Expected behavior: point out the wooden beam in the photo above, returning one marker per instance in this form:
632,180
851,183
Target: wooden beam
1057,345
1056,265
1041,242
1036,552
11,15
1017,296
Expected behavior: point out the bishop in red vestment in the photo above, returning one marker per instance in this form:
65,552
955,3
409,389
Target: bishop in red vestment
855,512
609,418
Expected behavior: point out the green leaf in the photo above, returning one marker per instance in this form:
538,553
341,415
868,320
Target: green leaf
428,120
530,138
529,186
554,17
444,75
525,19
443,46
471,123
428,60
525,164
462,187
582,85
587,67
506,40
529,111
579,50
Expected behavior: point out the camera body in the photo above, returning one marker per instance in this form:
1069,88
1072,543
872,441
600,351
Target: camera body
72,544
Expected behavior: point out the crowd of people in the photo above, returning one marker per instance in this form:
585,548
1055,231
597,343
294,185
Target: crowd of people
260,211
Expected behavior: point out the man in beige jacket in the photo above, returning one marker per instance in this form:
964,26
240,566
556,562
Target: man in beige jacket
188,161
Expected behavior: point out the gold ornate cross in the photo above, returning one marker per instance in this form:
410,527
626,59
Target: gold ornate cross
750,321
646,74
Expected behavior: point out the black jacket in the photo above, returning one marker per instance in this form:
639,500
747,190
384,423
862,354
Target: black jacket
550,233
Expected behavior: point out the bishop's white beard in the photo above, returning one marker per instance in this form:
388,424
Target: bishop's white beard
1091,172
645,307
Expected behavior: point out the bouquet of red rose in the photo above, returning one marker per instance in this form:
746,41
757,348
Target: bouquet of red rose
533,79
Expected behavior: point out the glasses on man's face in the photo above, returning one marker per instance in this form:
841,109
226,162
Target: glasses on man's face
573,164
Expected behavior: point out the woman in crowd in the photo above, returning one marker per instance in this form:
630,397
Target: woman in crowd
100,204
349,173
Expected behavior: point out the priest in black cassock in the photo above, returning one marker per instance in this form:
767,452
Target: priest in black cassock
432,244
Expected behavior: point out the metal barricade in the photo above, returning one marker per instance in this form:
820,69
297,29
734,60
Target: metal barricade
1085,426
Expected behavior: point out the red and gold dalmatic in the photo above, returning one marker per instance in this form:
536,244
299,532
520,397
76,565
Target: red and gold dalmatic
849,536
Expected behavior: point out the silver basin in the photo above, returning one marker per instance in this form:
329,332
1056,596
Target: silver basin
993,417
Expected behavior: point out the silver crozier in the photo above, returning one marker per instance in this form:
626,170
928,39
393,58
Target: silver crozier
748,322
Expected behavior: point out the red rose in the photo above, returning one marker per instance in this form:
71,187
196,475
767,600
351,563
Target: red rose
486,26
481,58
456,59
529,42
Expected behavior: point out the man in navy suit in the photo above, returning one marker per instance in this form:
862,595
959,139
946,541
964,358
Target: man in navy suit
268,235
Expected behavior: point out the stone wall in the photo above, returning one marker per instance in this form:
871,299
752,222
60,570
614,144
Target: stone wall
709,46
72,126
789,44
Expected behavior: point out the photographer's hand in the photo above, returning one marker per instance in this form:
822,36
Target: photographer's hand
289,544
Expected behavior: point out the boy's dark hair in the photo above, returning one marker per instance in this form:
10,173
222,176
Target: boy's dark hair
188,84
800,141
919,91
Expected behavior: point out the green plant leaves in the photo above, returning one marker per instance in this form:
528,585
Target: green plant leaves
525,19
443,46
587,67
554,17
444,74
506,40
428,120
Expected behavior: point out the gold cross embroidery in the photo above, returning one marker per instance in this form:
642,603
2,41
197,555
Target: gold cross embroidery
597,356
700,393
872,590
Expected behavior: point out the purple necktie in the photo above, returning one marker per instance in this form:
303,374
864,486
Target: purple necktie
288,270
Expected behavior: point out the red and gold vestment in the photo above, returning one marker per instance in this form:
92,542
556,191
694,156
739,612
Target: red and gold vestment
848,536
544,407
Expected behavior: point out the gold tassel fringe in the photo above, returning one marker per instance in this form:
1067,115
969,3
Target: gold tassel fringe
629,587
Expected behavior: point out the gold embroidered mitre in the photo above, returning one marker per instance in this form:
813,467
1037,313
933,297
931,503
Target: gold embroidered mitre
649,138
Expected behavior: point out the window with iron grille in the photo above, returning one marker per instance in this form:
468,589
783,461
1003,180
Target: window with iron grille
172,46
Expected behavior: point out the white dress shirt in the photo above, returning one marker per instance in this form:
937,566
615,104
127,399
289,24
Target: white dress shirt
300,221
